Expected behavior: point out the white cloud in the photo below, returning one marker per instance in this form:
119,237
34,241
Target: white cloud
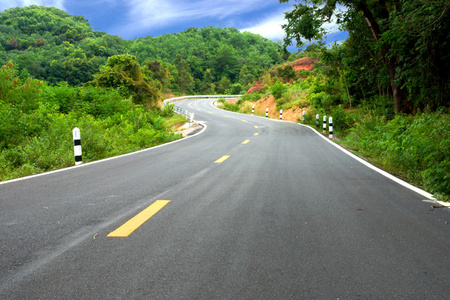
5,4
269,28
149,14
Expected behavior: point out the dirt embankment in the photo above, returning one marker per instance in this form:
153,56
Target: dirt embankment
293,114
306,63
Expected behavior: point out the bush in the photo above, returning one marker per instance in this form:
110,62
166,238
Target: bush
36,123
278,89
415,147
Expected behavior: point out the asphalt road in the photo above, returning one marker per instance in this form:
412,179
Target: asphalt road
256,209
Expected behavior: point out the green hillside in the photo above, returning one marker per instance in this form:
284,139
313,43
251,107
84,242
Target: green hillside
51,45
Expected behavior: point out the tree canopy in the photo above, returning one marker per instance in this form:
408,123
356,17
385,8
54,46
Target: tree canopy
396,43
51,45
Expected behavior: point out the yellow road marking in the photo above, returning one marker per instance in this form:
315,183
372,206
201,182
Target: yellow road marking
256,133
222,159
134,223
209,112
244,121
256,127
245,142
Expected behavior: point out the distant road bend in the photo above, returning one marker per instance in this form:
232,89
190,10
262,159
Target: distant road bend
251,208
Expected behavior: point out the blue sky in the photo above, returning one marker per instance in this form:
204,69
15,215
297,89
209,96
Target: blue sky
137,18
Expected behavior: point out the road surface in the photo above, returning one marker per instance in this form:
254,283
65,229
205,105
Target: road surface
251,208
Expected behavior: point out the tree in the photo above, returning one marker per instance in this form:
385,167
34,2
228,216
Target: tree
159,73
287,73
123,72
224,85
278,89
245,77
184,78
225,62
207,87
376,25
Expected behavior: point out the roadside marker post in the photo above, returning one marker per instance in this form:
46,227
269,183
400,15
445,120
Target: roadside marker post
317,120
330,126
77,146
303,116
267,112
190,119
281,114
324,124
253,110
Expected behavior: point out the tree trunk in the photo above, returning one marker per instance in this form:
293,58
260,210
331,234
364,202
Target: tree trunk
390,64
397,94
396,90
362,90
348,92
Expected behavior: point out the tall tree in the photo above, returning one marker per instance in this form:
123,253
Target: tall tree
306,20
123,72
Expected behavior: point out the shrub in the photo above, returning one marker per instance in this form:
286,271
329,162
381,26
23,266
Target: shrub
278,89
416,147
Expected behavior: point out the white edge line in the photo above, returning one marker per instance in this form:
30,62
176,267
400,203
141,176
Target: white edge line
354,156
104,159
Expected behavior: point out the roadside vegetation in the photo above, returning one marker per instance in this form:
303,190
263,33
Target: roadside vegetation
37,121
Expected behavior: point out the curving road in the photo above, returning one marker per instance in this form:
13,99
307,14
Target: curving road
250,208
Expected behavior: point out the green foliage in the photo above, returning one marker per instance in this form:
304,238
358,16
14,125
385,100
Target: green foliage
36,122
228,106
287,73
123,72
54,46
395,48
415,147
223,86
278,89
255,96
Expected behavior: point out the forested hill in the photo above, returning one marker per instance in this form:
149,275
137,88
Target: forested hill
51,45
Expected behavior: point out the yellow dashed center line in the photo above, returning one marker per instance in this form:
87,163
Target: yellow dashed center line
222,159
244,121
134,223
256,127
256,133
245,142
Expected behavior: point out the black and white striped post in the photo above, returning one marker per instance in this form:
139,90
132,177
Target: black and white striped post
317,120
303,116
324,124
267,112
77,146
281,114
253,110
330,128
